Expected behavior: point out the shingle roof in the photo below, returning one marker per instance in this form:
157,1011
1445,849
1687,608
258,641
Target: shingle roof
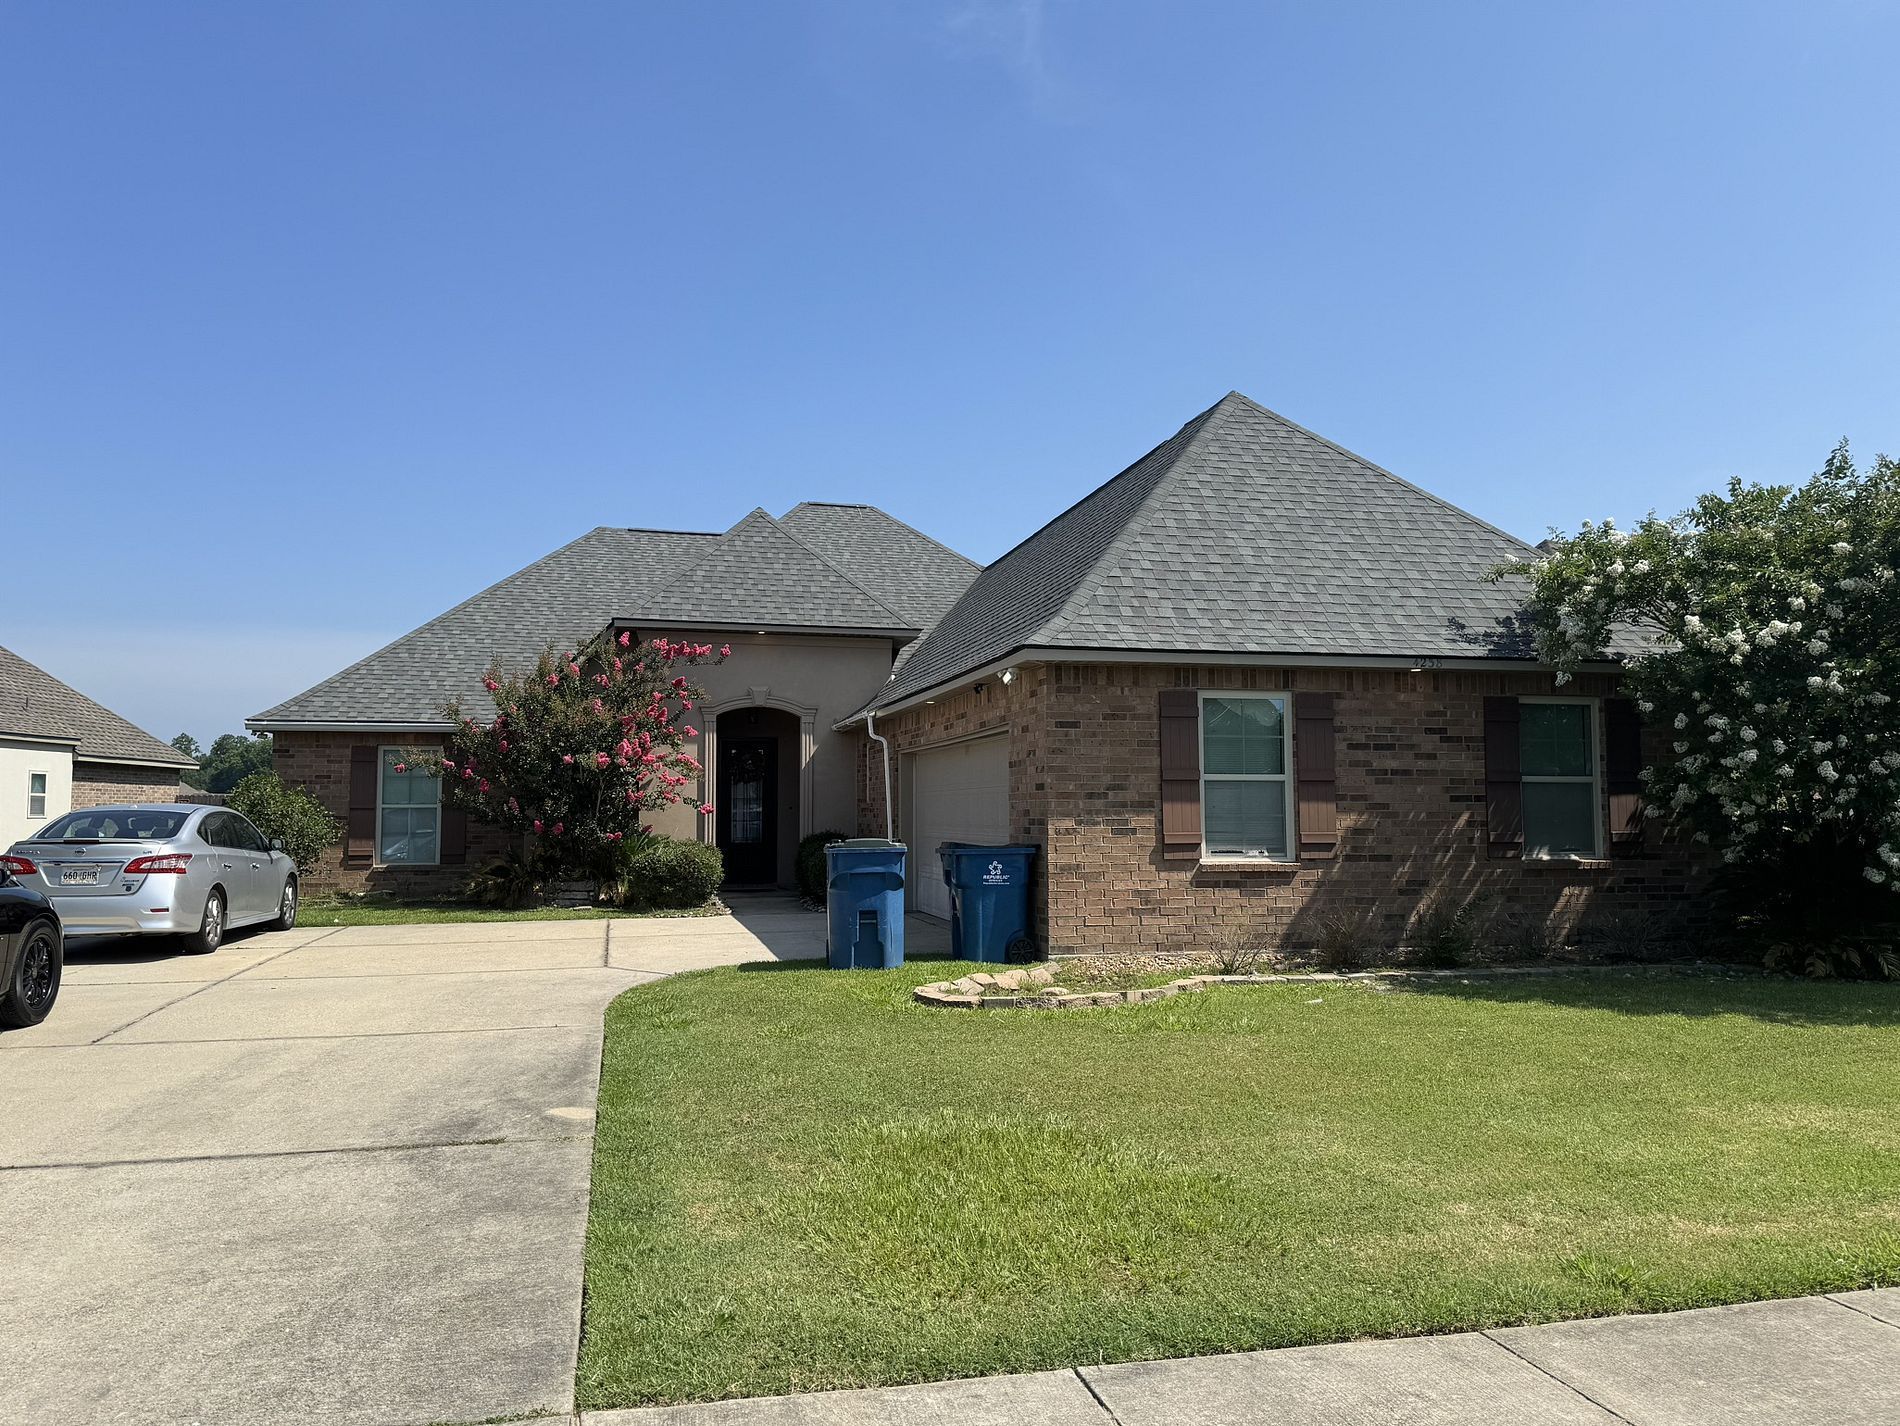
904,568
814,571
34,704
1241,533
759,572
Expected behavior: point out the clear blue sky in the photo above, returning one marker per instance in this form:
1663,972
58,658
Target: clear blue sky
316,318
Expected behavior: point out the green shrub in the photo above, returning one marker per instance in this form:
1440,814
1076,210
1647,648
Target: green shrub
1342,942
668,874
809,868
288,814
1444,933
508,881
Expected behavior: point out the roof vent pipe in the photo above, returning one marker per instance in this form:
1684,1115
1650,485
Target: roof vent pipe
870,726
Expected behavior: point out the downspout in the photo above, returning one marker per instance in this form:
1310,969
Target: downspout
870,726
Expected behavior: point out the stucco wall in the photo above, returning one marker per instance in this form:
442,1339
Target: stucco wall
815,680
17,760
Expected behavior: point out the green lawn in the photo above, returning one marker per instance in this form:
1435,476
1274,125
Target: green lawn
420,913
803,1181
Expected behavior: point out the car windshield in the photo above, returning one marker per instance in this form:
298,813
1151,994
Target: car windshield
114,824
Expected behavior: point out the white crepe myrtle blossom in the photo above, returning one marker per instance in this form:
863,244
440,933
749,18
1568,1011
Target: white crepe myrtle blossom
1786,742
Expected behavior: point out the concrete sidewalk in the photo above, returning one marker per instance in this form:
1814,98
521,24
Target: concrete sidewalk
1799,1362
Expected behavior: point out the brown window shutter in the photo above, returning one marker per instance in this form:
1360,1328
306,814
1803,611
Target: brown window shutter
359,847
1314,776
1623,773
454,835
1503,788
1180,710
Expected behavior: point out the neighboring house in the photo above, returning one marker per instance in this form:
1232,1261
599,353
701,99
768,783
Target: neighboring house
60,750
817,606
1252,684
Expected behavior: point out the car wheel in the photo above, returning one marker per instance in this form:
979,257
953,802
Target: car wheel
36,976
210,933
287,908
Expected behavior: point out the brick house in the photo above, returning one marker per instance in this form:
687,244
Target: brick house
1253,680
60,750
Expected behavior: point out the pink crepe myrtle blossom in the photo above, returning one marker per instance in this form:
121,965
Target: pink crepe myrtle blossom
567,759
404,767
689,731
705,809
554,680
555,830
537,826
601,760
725,651
626,638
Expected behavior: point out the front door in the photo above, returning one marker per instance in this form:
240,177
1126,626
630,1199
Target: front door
748,810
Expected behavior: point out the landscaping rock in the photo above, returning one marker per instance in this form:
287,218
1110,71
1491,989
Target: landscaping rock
981,978
1010,980
968,985
1040,975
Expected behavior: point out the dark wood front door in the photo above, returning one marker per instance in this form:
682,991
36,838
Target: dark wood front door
748,810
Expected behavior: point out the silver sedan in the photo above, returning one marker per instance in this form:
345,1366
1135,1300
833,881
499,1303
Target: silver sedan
158,869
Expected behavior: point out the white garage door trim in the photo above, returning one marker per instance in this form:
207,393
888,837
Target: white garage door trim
959,792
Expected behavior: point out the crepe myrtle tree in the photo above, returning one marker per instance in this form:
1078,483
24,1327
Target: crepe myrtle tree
580,749
1762,629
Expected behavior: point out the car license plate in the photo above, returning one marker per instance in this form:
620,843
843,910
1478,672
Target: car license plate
79,876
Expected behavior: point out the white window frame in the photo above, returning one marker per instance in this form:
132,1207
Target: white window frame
1289,855
382,761
46,783
1595,779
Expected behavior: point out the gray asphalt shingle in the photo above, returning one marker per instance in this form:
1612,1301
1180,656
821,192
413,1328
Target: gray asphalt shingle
815,569
1241,533
34,704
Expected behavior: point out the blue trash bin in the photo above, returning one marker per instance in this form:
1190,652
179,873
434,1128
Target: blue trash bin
864,904
989,900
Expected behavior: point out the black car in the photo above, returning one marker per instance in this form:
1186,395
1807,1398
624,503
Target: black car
32,954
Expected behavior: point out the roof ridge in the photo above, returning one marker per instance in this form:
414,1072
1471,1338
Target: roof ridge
453,609
901,524
1090,581
1378,469
903,620
159,751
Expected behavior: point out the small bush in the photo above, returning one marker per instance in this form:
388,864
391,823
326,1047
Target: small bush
1835,960
1444,933
1620,936
288,814
809,868
1523,936
508,881
668,874
1342,943
1239,951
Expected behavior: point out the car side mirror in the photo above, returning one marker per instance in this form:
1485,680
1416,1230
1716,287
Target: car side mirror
276,844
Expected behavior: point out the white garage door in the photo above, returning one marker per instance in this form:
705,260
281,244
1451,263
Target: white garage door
958,794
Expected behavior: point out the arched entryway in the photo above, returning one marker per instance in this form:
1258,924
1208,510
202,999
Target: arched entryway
757,773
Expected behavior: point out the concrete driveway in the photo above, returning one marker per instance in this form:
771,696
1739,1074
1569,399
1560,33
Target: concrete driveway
321,1175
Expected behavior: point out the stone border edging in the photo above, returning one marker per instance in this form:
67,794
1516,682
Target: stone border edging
1036,988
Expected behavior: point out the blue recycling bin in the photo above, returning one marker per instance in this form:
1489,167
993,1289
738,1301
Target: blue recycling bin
989,900
864,904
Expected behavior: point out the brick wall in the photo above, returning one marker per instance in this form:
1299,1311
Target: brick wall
99,784
321,763
1084,774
